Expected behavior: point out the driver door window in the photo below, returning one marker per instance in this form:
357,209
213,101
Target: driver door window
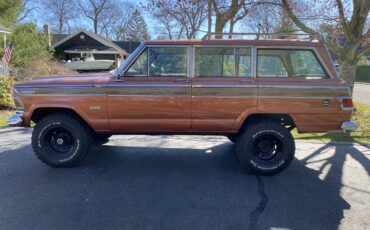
140,66
160,62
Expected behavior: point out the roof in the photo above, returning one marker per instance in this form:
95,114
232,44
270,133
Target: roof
241,42
57,38
4,30
98,38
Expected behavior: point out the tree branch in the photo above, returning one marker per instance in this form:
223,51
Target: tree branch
343,21
296,20
365,50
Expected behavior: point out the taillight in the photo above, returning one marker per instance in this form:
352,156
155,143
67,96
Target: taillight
347,103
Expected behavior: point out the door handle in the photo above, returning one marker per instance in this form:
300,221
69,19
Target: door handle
246,81
182,81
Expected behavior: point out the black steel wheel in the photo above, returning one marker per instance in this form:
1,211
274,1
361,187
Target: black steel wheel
265,148
61,140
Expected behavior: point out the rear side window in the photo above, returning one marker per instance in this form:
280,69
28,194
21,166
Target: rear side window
222,62
289,63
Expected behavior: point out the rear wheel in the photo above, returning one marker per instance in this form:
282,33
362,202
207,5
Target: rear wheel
61,140
265,148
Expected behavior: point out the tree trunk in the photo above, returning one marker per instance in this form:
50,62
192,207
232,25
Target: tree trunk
347,71
209,19
231,31
220,25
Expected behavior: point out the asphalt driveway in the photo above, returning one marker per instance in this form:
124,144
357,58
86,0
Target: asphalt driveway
361,93
182,182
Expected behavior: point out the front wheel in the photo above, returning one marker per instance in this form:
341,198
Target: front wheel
61,140
265,148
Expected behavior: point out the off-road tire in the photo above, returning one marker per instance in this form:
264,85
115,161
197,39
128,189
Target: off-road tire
52,131
265,148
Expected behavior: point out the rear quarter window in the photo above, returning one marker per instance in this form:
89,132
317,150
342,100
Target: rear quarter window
289,63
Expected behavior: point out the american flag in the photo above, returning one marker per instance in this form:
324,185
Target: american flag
7,54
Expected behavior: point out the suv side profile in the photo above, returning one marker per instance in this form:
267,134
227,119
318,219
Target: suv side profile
252,91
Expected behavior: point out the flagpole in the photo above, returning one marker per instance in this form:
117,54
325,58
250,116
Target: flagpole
4,40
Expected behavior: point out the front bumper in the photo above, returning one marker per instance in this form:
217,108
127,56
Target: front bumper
15,120
349,126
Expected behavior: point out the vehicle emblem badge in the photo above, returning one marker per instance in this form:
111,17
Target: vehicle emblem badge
95,107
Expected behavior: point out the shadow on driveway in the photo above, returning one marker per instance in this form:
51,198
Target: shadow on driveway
121,187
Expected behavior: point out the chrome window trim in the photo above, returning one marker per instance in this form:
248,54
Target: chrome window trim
119,73
312,48
254,62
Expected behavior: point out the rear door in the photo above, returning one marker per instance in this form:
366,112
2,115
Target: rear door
155,93
223,87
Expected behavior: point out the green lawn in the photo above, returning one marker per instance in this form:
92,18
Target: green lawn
4,116
361,135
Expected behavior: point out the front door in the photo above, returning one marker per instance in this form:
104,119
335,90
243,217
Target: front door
154,95
223,88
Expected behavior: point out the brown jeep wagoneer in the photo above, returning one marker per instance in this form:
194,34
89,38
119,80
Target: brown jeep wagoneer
254,91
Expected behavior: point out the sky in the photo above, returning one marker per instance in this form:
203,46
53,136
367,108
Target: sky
37,16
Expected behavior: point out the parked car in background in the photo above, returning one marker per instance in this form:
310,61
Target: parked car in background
254,91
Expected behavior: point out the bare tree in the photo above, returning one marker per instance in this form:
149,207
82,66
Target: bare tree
189,14
121,25
348,37
137,29
265,18
168,27
28,7
228,13
96,11
59,14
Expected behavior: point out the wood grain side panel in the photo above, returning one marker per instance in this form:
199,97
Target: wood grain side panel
97,118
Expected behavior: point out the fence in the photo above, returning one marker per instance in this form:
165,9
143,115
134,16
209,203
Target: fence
363,73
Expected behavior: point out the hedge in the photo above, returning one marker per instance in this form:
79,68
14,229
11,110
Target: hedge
363,73
6,84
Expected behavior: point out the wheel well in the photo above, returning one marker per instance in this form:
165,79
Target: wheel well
283,119
40,113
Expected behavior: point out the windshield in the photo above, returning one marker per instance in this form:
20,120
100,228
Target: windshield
120,69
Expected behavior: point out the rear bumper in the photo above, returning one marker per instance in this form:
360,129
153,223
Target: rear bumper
349,126
16,120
